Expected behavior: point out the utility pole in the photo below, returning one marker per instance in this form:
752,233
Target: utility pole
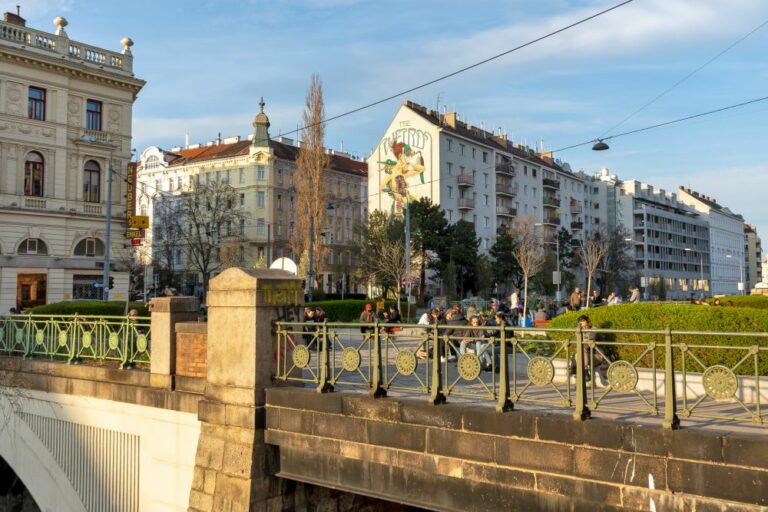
311,257
408,255
108,233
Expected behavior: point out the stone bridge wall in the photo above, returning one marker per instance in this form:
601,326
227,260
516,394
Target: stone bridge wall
454,457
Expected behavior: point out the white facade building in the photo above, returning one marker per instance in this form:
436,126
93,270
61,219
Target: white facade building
65,118
726,242
753,255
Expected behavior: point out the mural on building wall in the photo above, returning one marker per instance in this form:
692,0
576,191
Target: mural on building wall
401,158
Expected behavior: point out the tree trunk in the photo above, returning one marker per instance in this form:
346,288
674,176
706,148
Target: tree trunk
525,299
589,287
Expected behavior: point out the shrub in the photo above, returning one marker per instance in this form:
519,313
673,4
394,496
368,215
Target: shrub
344,310
679,317
745,301
89,308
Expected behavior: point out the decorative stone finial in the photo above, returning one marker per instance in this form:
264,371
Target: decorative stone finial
127,42
60,22
261,104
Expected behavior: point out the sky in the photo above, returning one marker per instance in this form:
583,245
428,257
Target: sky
208,62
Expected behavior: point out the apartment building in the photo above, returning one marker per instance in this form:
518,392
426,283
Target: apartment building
473,174
726,241
262,171
65,123
753,255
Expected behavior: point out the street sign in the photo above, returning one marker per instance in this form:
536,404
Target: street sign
135,241
138,222
555,277
98,285
133,233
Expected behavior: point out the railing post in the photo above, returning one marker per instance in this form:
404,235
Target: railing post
377,391
436,391
582,411
670,396
324,386
504,404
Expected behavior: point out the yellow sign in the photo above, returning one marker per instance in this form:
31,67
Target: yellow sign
138,222
133,233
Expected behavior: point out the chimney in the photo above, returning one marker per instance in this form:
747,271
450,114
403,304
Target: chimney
15,19
547,155
450,119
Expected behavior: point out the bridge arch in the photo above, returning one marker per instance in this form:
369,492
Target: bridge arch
35,466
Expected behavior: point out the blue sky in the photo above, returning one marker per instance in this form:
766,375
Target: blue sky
207,63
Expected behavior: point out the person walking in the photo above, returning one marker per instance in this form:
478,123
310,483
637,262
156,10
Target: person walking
575,300
634,295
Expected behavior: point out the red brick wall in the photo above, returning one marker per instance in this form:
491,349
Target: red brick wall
191,349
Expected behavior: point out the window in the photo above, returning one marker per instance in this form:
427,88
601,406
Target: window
178,183
218,177
242,200
33,175
279,202
242,176
32,246
450,144
450,192
229,176
533,172
474,151
36,104
91,181
485,199
242,227
450,168
461,149
82,287
279,176
93,115
485,157
261,173
89,247
260,226
260,199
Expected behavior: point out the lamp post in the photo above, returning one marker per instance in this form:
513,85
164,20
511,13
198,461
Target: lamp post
408,255
701,268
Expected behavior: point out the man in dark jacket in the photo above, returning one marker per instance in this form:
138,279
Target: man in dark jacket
454,317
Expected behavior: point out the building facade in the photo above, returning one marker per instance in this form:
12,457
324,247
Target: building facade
65,121
726,242
753,256
474,175
262,171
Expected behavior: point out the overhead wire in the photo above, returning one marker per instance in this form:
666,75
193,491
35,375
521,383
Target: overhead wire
686,77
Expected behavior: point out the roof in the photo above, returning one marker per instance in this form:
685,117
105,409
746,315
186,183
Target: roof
282,151
481,136
709,201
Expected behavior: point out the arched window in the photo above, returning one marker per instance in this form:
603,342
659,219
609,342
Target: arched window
34,172
33,246
91,182
152,162
89,247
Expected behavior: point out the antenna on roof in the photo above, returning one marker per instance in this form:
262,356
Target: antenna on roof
186,138
437,100
341,146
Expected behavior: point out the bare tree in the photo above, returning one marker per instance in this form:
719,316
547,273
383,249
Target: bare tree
312,174
591,254
389,264
528,251
167,236
209,219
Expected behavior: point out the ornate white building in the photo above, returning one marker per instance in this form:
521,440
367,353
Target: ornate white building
65,115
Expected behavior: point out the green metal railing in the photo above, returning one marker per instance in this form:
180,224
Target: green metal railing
663,373
122,339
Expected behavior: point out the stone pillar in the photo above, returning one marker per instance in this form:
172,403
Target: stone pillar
232,464
166,313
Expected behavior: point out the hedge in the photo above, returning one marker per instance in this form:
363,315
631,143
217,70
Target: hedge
745,301
345,310
680,317
89,308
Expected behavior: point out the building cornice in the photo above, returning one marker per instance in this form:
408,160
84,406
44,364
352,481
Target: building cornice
73,70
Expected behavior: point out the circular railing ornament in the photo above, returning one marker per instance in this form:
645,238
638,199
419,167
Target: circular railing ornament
113,341
469,366
301,356
87,338
406,363
141,343
19,335
622,376
541,371
63,338
350,359
39,337
719,382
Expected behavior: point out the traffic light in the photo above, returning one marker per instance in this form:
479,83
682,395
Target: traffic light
111,282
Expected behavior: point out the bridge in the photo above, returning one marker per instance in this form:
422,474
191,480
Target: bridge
256,411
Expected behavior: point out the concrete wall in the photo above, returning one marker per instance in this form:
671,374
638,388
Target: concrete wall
472,458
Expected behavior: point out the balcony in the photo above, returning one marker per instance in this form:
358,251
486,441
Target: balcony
504,211
551,201
466,203
465,181
38,204
506,189
576,209
577,225
550,183
554,221
92,209
94,136
506,168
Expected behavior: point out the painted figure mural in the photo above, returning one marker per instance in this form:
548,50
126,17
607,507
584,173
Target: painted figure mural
407,163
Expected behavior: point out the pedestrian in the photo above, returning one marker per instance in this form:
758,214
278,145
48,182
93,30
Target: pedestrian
541,315
514,299
575,300
311,339
596,299
634,295
472,310
614,298
367,317
455,318
392,317
380,306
